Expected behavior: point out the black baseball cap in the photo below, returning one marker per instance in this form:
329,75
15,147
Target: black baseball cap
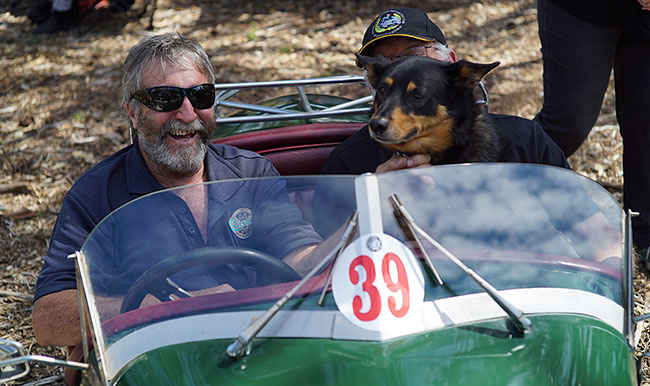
408,22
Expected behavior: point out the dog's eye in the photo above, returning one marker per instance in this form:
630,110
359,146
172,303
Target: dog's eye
382,89
417,94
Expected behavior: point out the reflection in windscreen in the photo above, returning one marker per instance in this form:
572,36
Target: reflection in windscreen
525,208
255,215
489,207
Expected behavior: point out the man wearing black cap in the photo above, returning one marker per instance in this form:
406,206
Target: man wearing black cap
392,37
400,32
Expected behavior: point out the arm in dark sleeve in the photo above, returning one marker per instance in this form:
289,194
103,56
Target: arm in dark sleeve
525,141
549,152
356,155
283,227
72,226
335,164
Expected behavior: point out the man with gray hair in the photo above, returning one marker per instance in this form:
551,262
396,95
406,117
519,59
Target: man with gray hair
168,94
402,32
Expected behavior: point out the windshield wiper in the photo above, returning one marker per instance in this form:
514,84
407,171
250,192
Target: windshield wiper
520,321
240,346
407,229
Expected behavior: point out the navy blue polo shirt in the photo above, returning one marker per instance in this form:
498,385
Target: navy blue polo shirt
124,176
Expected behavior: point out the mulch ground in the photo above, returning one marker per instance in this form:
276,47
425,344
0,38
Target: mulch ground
60,111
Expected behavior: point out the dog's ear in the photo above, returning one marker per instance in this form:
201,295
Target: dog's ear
468,73
375,66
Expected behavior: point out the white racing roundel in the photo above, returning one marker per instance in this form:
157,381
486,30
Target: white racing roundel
378,284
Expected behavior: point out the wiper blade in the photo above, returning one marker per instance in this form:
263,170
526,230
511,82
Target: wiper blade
240,346
330,275
520,321
407,229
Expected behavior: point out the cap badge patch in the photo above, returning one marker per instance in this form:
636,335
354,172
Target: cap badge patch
389,21
241,223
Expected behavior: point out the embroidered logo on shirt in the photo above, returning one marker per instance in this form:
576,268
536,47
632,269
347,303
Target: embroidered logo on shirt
390,21
241,223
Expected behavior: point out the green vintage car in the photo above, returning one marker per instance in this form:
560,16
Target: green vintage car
477,274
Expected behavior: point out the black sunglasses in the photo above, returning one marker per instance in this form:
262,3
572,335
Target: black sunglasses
170,98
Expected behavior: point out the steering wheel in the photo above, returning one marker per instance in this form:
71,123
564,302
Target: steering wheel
156,281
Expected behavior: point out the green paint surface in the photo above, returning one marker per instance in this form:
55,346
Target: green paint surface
558,350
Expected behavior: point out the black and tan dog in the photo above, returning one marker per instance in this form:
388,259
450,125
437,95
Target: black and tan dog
423,105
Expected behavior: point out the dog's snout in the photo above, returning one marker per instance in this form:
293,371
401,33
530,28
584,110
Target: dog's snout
378,125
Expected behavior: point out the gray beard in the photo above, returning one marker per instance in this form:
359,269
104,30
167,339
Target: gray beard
186,159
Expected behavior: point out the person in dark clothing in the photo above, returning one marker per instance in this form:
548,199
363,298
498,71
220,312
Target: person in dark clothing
581,42
54,15
61,15
400,32
527,144
168,94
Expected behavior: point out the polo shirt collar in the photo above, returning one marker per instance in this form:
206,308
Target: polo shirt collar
139,179
219,169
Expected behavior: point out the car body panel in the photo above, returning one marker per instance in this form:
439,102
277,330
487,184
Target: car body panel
553,353
505,222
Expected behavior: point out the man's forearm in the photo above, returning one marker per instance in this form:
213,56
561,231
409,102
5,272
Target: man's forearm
55,319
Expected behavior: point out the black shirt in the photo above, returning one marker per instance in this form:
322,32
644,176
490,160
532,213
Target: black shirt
523,141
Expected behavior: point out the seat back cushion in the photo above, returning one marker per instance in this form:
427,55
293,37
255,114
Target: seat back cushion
295,150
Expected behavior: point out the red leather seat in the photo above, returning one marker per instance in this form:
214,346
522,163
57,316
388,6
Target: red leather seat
295,150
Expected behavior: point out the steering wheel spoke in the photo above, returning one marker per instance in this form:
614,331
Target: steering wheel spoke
166,288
